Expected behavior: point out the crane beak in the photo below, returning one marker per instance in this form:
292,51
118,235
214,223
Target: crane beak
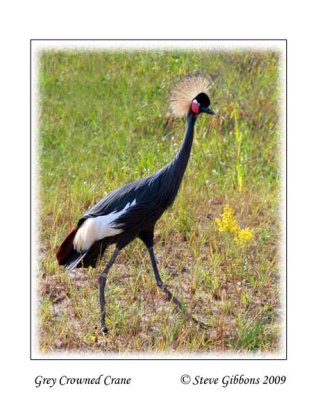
207,110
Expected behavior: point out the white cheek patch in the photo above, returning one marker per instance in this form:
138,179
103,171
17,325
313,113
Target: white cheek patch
97,228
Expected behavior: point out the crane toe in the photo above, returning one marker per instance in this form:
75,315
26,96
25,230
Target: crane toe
104,330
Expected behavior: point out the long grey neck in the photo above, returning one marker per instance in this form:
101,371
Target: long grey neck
171,176
179,164
182,157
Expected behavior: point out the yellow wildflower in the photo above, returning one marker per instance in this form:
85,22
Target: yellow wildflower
228,221
244,236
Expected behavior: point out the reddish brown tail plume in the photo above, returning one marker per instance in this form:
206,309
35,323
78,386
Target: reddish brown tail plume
66,248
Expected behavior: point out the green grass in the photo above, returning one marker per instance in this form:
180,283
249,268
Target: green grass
104,122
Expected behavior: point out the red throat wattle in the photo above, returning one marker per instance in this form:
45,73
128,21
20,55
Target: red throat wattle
195,107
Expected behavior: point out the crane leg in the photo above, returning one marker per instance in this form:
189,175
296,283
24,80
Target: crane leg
167,292
102,285
160,284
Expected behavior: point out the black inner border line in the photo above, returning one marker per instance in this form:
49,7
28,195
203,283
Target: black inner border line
286,199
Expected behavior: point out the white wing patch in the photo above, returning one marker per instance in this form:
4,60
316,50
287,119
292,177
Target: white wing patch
97,228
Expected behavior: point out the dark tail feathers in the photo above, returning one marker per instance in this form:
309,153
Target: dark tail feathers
74,260
70,258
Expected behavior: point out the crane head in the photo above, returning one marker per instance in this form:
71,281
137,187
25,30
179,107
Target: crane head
200,104
189,94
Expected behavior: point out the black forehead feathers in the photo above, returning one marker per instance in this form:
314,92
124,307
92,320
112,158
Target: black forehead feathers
203,99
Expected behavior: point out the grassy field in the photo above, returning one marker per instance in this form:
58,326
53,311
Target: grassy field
103,122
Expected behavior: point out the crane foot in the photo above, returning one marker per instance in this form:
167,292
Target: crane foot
104,330
171,297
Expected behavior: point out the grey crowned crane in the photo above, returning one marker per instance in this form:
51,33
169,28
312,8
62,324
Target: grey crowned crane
132,210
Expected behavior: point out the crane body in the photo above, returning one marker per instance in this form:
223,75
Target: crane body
132,211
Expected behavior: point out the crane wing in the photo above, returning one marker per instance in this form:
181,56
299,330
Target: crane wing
129,207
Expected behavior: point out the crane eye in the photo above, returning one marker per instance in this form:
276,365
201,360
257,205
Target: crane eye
195,107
